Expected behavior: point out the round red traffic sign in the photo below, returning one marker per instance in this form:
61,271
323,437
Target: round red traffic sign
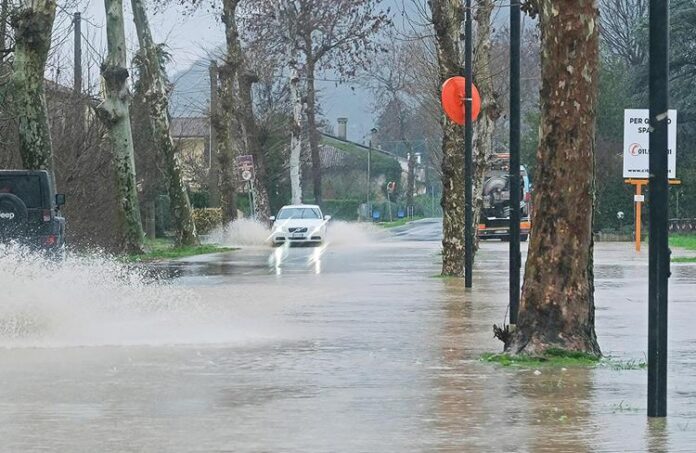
453,99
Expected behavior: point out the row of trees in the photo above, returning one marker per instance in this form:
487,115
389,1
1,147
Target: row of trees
305,36
24,98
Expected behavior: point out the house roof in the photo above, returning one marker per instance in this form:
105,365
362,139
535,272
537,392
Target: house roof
190,127
340,143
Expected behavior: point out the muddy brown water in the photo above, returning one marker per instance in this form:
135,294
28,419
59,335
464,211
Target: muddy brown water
354,347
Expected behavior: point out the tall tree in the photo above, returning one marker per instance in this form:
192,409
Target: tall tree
153,82
114,113
32,23
222,119
447,17
336,35
557,307
621,30
490,111
389,77
252,141
285,15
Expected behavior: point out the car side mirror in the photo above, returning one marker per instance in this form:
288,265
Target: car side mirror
327,217
272,218
60,199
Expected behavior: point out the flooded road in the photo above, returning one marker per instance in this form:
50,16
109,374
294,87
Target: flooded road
355,347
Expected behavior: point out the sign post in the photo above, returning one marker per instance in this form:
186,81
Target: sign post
636,154
245,167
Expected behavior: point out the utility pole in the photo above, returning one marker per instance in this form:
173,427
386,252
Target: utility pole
468,153
213,188
658,269
514,171
77,76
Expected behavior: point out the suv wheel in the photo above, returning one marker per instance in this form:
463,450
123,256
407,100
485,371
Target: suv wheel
13,217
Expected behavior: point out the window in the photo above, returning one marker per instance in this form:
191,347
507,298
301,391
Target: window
27,188
299,213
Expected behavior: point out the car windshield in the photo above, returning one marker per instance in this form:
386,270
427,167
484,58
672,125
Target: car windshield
27,188
299,213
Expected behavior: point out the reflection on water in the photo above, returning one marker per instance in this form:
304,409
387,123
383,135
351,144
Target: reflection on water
351,347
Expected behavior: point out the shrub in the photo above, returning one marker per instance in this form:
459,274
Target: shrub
207,219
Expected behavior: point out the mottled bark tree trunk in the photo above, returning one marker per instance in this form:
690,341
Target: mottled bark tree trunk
223,118
447,16
114,112
557,307
312,130
296,132
286,20
33,25
490,111
250,129
155,91
4,14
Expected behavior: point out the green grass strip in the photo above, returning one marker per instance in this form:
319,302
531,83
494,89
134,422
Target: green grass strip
164,249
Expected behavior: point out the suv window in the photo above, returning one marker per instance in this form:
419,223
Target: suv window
298,213
27,188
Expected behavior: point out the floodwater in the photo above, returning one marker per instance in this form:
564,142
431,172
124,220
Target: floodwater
351,347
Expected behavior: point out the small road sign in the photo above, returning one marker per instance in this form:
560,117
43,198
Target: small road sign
245,167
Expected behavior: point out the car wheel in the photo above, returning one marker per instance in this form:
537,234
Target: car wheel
13,217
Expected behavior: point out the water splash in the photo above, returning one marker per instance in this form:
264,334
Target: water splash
249,233
241,233
91,300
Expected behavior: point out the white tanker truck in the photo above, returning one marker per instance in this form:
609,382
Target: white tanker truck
495,215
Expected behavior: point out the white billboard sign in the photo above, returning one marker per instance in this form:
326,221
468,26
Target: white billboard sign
636,151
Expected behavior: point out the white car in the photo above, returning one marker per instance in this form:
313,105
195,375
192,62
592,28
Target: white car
301,224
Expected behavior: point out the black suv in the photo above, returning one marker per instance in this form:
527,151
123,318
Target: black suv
30,211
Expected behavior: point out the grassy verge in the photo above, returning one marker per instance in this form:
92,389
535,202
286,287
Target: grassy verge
684,259
686,242
553,358
558,358
164,249
397,223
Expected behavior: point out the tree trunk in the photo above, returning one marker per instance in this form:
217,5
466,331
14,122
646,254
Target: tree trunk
114,112
447,16
4,13
286,20
33,26
250,129
312,131
557,306
155,91
296,132
213,168
411,178
222,119
490,111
